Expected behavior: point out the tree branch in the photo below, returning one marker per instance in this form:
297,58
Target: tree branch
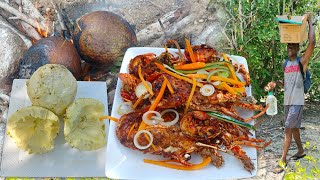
21,16
240,19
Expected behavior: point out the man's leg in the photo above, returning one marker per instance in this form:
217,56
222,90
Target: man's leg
296,137
287,142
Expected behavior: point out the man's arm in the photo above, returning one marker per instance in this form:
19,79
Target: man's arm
312,41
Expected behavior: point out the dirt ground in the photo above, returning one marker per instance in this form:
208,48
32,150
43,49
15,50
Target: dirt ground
272,128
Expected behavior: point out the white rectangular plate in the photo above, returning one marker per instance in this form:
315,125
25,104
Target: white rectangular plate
125,163
63,161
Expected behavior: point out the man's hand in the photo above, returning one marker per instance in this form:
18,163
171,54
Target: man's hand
312,42
308,16
270,86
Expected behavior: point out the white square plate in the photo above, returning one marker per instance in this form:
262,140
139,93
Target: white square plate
62,161
125,163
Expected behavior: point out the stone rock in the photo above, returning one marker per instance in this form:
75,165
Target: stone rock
187,22
111,95
25,39
12,48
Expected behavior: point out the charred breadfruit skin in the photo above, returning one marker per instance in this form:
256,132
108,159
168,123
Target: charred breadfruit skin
51,50
101,37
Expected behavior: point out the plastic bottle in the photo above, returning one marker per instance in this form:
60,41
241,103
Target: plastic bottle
272,101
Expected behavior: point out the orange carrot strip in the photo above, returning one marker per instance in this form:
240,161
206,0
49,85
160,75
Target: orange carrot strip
169,85
240,89
201,165
189,48
139,100
228,88
162,68
143,81
155,103
190,66
159,97
191,94
236,89
233,73
216,78
130,130
225,57
109,117
153,107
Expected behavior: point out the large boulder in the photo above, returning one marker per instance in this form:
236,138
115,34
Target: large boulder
12,48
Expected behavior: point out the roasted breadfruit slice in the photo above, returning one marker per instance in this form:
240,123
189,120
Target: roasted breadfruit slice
33,129
52,86
82,128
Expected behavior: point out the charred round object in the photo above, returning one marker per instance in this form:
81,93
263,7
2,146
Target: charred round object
53,87
51,50
101,37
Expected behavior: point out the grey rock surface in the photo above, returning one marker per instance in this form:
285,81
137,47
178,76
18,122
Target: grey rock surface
5,23
12,48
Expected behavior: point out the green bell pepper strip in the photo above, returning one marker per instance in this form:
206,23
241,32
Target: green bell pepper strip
230,120
205,68
173,70
221,72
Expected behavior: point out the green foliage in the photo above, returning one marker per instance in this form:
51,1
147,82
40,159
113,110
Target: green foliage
308,170
253,33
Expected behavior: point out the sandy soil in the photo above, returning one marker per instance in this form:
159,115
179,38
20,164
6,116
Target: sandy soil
272,128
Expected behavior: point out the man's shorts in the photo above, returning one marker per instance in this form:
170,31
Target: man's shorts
293,116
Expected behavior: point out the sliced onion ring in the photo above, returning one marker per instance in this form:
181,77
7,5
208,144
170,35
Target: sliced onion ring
211,73
135,139
157,118
141,89
207,90
152,121
170,123
201,71
216,83
125,108
237,62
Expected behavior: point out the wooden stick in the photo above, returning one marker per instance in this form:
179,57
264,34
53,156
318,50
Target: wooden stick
30,10
22,28
22,16
14,17
65,32
13,25
30,31
59,16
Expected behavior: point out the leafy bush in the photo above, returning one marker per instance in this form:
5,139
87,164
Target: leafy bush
253,33
308,170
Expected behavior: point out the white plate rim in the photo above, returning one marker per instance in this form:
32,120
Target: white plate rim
116,160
